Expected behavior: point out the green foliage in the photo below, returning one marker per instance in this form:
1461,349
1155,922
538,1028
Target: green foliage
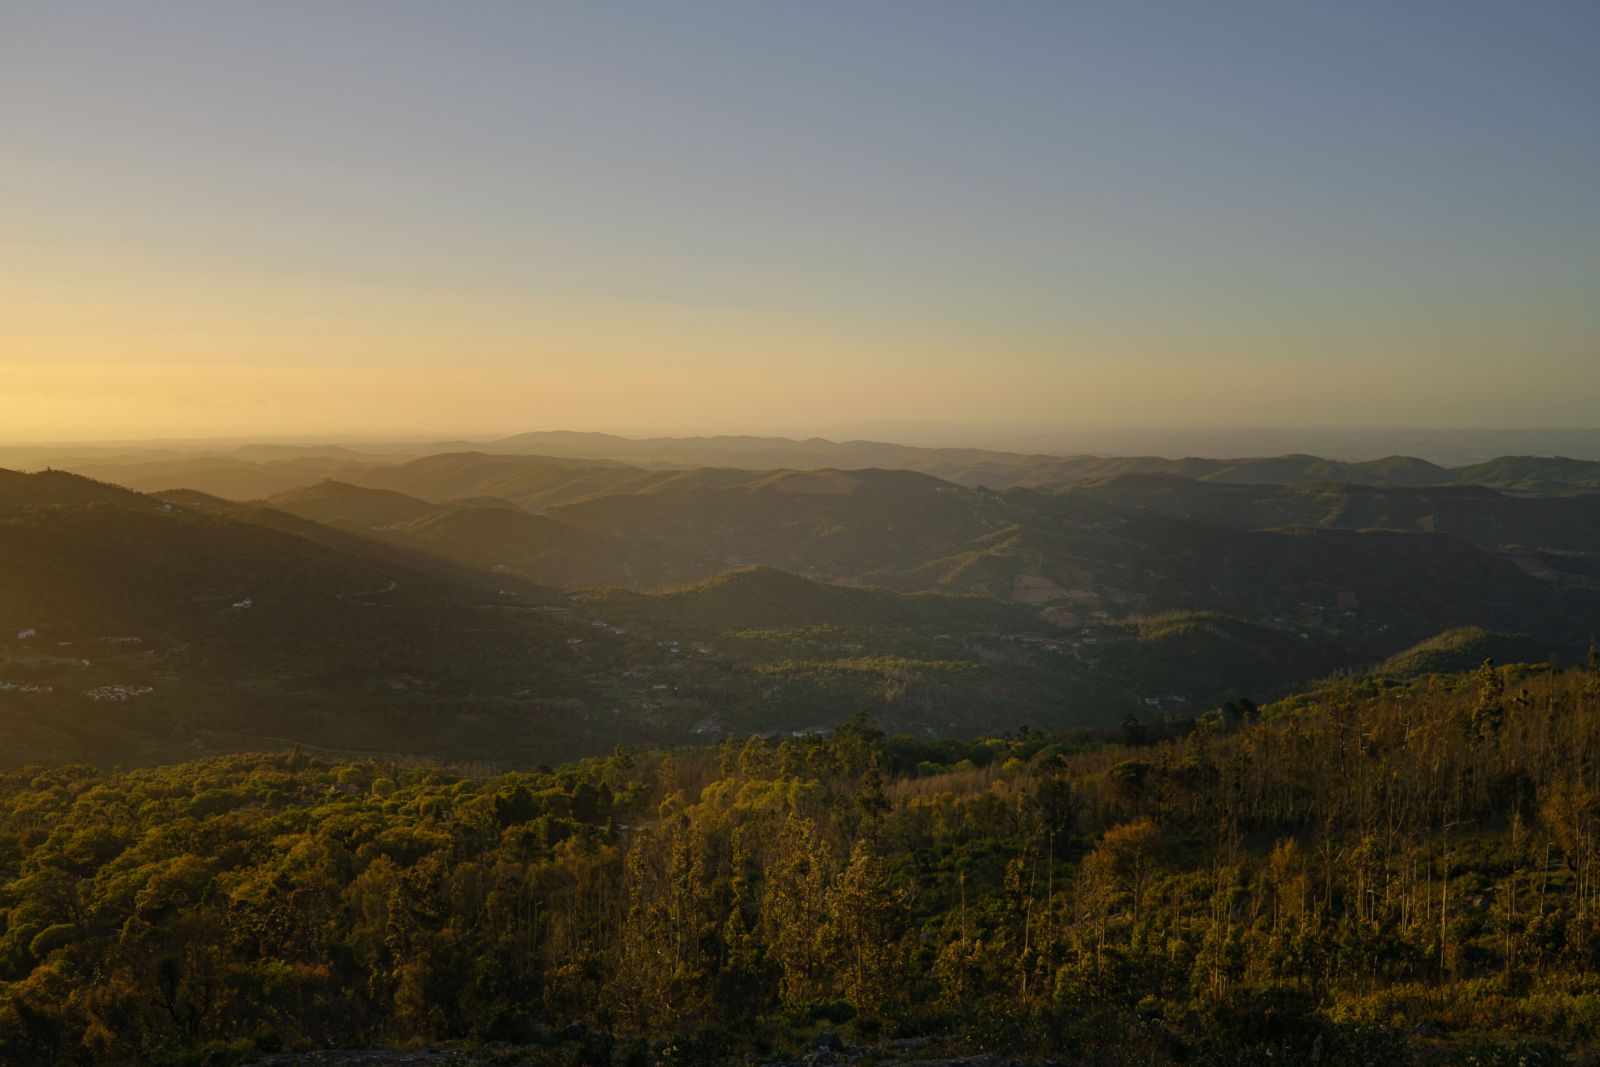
1357,884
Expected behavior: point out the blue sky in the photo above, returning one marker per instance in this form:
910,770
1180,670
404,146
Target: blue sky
682,216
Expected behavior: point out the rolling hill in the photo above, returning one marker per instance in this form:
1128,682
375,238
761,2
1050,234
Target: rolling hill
146,626
766,597
484,532
255,471
136,628
341,503
1488,518
1461,649
1375,567
504,539
997,469
699,602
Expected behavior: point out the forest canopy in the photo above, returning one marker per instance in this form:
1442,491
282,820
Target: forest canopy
1358,874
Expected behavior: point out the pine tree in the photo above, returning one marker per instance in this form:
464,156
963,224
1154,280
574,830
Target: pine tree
1489,713
867,921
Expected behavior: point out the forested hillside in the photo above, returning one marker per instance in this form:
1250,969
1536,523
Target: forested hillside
134,629
139,628
1372,874
1368,570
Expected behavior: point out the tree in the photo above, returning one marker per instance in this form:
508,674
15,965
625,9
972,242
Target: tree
867,923
794,910
1489,712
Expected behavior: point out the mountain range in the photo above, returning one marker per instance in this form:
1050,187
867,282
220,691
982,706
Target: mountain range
528,608
256,470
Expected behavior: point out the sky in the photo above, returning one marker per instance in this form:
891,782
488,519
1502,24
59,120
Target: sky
681,217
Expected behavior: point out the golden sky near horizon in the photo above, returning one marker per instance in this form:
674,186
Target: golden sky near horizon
151,364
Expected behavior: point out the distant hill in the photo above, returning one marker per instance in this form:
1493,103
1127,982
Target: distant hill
226,476
1413,560
532,482
340,502
268,452
20,491
1462,649
139,627
483,532
135,628
225,622
765,597
997,469
415,609
506,539
830,524
438,471
766,453
1101,554
1522,473
1544,474
1486,517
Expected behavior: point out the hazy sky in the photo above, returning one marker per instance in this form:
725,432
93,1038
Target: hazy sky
665,216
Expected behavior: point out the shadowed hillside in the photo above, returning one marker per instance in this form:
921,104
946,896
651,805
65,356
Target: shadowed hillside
145,625
402,625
